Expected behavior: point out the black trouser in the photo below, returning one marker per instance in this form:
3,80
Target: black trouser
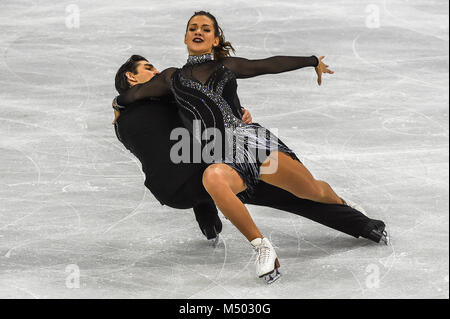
339,217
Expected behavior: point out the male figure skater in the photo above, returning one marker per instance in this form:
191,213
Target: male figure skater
144,129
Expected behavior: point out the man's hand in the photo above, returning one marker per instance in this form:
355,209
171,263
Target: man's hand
116,116
246,117
116,110
322,68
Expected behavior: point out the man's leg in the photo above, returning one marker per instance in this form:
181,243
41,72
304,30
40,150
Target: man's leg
192,194
207,217
339,217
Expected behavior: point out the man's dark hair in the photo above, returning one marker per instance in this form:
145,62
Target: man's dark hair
122,84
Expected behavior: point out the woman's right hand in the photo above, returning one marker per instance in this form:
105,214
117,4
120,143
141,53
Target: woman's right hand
322,68
246,116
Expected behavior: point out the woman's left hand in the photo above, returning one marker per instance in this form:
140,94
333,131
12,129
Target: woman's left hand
322,68
246,117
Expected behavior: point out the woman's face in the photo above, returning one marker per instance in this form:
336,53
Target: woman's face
200,37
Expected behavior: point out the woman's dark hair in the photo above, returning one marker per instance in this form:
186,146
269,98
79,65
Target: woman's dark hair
223,49
122,84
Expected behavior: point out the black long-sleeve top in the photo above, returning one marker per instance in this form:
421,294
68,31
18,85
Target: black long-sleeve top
206,91
241,67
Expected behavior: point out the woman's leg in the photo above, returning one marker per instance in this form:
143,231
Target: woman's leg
292,176
222,182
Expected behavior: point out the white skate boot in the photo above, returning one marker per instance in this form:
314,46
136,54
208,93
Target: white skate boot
266,260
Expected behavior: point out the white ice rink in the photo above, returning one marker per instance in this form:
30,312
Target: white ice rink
72,197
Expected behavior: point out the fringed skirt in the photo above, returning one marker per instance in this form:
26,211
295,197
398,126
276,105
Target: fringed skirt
247,148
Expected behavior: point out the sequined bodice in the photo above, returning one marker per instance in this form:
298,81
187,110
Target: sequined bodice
214,100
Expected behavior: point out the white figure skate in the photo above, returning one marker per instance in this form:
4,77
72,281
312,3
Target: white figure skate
266,260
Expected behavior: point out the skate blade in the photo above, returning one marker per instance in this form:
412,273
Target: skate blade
385,238
215,241
272,277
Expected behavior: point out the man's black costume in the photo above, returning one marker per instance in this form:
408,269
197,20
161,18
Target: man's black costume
144,128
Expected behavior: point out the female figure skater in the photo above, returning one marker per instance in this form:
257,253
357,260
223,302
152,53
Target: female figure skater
205,90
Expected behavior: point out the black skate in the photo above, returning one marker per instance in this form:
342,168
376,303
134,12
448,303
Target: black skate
212,231
207,216
376,231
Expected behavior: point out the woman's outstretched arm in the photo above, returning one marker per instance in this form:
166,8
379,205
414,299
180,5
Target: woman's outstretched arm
159,85
244,68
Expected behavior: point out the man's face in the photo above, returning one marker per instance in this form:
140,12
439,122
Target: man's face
144,73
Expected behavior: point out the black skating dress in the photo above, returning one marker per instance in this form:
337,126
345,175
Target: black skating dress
206,93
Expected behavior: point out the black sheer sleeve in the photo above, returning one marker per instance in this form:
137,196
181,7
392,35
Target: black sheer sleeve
159,85
244,68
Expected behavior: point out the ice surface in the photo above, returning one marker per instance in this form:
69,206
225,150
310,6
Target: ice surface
72,198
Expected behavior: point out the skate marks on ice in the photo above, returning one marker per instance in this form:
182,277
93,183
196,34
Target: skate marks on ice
376,131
